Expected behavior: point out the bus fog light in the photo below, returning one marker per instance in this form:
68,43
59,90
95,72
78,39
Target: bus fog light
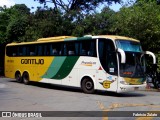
145,82
124,82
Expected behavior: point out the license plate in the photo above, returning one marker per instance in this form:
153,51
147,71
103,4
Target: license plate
136,88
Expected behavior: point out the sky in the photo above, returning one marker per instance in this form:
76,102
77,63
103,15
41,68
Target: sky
28,3
32,3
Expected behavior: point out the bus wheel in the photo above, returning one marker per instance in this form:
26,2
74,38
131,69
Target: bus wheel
18,77
26,78
87,85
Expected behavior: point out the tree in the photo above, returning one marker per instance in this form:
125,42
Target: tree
16,29
95,24
4,21
18,22
13,22
77,5
141,21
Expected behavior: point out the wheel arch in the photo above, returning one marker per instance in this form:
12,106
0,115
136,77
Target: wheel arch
90,77
17,71
26,77
18,76
25,72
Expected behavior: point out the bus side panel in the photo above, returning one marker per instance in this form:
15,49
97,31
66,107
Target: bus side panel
87,67
90,67
10,67
45,70
106,81
48,75
72,78
60,69
36,67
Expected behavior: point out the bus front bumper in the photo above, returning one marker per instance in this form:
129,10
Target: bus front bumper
127,88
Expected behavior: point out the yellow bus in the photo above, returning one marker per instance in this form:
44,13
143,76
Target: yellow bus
104,62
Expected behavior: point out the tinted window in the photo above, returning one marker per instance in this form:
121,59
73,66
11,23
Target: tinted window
107,56
72,48
88,48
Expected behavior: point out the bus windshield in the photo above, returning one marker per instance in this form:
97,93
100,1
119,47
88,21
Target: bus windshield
134,66
127,45
135,61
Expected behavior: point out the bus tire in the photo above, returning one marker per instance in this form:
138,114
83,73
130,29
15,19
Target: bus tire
18,77
26,78
87,85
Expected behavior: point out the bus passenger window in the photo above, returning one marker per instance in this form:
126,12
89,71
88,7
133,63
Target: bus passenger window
12,51
70,52
14,54
32,50
20,51
40,50
54,51
90,53
32,53
60,52
70,48
47,49
83,52
88,48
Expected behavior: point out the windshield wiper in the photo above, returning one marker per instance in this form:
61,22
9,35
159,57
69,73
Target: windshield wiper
138,64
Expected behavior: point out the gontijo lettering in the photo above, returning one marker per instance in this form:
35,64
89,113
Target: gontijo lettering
32,61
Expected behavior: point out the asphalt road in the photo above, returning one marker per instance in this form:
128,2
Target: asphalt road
45,97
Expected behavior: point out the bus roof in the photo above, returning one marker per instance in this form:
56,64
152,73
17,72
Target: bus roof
115,37
44,40
72,38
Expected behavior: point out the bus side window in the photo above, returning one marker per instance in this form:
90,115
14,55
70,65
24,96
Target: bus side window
70,52
88,48
20,51
60,47
14,54
32,50
64,49
83,48
92,49
71,48
47,49
40,49
76,48
11,51
56,49
24,50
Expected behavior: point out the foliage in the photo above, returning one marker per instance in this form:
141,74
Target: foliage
76,5
141,21
13,22
16,29
4,21
94,24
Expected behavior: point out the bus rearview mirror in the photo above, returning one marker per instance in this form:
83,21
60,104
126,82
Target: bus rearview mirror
153,56
123,55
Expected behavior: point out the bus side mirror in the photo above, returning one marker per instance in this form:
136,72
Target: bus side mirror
123,55
153,56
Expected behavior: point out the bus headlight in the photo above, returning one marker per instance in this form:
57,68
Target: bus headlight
124,83
145,82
